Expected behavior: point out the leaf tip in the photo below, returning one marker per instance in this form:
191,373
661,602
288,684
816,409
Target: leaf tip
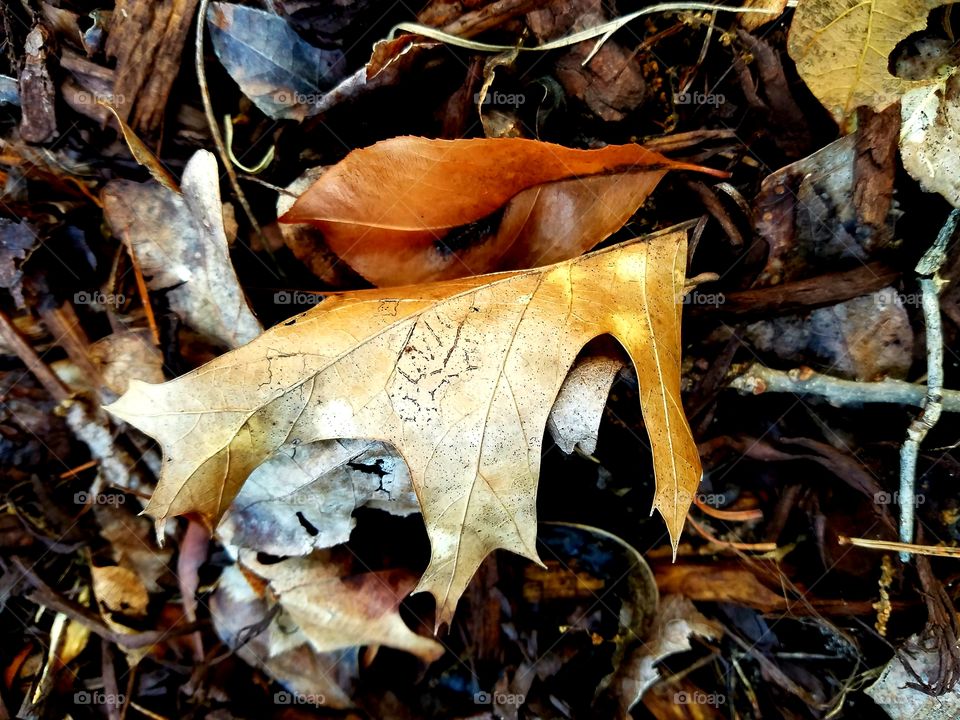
296,213
158,523
123,407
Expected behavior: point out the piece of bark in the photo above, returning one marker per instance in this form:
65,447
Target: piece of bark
147,39
17,242
85,85
874,168
38,123
812,212
809,294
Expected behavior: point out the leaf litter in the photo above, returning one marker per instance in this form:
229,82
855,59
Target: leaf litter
416,423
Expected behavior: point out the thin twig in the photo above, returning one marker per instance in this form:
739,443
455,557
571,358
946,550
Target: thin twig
142,289
729,544
757,379
45,596
215,128
933,402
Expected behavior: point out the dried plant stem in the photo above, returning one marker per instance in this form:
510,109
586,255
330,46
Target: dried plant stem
602,31
902,548
215,128
728,515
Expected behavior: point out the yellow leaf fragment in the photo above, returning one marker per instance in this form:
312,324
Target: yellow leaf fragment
119,590
459,376
842,49
752,20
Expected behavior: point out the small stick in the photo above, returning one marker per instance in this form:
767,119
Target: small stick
933,402
757,379
147,713
684,140
109,675
78,469
727,515
719,213
142,290
706,534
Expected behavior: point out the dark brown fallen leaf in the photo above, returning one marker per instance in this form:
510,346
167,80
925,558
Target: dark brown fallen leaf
866,338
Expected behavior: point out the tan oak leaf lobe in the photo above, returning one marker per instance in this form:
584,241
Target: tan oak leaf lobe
459,376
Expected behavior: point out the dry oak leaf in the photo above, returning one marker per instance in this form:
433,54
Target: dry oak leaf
410,209
458,376
842,49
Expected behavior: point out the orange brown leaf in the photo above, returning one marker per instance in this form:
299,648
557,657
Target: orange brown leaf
410,209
